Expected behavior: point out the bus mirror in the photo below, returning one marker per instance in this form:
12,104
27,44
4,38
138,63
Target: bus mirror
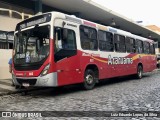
58,33
65,33
59,44
58,38
38,44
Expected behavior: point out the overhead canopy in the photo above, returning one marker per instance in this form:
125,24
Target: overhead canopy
87,9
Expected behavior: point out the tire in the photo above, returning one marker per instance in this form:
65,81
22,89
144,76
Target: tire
19,87
139,72
89,79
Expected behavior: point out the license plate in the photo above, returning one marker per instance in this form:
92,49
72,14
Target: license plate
25,84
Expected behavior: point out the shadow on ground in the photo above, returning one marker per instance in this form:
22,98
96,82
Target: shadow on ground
70,89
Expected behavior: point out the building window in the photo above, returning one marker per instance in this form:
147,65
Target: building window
3,45
10,39
119,42
3,40
105,41
88,38
10,45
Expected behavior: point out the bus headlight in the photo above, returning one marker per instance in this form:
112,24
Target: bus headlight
45,70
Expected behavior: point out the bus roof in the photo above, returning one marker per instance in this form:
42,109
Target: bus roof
46,17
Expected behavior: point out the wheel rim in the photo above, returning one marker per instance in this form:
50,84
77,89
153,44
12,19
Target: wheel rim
89,79
140,72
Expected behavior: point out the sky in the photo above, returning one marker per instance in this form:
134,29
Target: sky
147,11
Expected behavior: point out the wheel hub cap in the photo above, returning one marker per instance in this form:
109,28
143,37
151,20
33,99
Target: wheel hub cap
89,79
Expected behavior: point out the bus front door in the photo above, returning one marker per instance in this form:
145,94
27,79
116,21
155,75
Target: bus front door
67,55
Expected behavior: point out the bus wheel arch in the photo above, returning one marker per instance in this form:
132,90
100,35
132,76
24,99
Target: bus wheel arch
139,73
91,76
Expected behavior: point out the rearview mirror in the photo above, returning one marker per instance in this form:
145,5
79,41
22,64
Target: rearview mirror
58,39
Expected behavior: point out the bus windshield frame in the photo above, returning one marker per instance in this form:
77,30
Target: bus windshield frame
32,45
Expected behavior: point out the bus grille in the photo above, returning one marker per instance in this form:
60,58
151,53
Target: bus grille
23,68
30,81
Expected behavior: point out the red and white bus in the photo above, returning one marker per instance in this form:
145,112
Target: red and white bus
55,49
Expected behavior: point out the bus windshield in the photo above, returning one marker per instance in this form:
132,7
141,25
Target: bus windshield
32,45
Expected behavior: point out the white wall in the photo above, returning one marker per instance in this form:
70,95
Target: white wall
7,23
5,55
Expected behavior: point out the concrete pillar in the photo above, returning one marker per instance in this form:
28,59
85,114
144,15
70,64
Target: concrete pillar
77,14
38,7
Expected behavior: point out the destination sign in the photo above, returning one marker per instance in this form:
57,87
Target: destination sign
34,21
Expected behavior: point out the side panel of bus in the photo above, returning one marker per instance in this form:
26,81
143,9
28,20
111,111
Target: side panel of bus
69,68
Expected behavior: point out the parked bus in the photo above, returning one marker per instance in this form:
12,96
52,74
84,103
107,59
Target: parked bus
55,49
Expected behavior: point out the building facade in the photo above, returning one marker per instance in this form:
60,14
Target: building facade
157,30
14,11
11,13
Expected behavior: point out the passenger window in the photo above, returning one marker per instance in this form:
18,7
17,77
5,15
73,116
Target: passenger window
119,42
65,43
152,48
130,47
88,38
139,46
146,47
70,41
105,41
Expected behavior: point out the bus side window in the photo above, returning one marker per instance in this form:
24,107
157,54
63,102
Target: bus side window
146,47
139,46
88,37
105,40
152,48
69,42
119,42
64,39
116,43
130,45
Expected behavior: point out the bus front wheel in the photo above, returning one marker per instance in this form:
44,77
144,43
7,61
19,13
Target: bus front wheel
89,79
139,72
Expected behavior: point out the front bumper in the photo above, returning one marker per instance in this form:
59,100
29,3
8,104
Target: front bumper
49,80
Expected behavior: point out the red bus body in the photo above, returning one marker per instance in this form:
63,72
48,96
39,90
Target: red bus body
71,70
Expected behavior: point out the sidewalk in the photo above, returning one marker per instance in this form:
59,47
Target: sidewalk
6,88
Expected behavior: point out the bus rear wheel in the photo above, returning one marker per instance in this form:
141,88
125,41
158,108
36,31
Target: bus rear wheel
89,79
139,72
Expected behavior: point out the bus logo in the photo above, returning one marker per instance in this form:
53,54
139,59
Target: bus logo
24,74
31,73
